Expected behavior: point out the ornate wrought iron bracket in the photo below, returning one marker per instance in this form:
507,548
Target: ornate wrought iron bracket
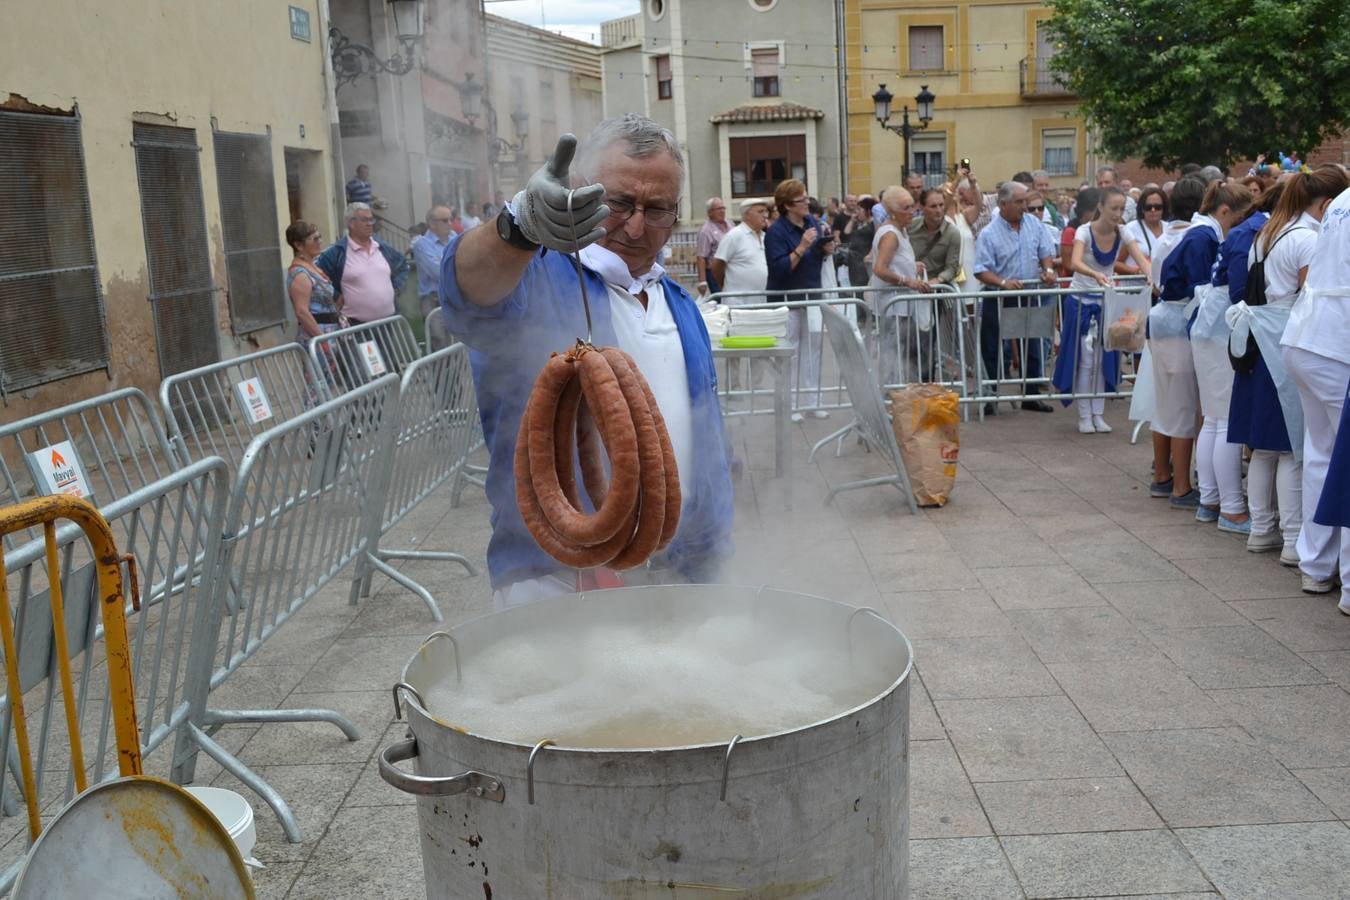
352,60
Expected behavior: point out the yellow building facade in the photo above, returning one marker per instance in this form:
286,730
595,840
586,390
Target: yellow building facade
985,60
154,154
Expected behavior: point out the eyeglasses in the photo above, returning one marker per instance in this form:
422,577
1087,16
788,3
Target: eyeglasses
364,220
1040,208
313,237
798,200
1151,207
654,216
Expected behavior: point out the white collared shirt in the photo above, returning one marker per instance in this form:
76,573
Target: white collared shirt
1292,253
1320,320
651,337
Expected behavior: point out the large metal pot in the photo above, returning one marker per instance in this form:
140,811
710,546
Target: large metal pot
817,811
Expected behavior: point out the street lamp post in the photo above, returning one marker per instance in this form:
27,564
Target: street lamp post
923,101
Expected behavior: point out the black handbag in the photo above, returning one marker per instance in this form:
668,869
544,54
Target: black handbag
1254,295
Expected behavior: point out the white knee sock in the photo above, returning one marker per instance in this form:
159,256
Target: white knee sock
1261,490
1289,490
1228,471
1204,462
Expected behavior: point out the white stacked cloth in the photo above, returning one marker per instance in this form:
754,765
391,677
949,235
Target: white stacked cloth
760,322
717,319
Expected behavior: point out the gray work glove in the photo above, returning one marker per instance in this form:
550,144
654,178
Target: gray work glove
541,209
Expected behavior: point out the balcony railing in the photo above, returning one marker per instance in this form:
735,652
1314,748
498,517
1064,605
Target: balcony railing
1038,81
621,32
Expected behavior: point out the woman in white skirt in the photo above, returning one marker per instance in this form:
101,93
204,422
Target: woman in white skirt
1184,202
1187,266
1316,351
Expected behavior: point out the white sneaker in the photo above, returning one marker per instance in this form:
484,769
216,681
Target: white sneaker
797,417
1085,426
1289,556
1313,585
1265,541
1100,425
1344,606
820,414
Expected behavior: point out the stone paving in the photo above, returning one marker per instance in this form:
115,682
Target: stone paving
1110,698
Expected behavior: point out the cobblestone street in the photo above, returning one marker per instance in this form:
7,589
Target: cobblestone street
1110,700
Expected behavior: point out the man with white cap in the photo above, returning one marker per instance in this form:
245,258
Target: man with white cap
740,264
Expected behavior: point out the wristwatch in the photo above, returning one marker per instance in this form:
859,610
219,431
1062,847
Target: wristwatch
509,231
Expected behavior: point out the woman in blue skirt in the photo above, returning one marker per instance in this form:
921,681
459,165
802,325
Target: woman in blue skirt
1247,426
1082,367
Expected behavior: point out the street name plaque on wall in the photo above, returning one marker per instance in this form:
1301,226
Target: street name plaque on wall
300,24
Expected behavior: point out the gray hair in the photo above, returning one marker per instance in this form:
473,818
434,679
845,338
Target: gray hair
709,205
1104,169
644,138
353,209
1211,173
1040,173
1010,189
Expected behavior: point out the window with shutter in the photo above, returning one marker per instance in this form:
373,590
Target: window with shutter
168,173
52,321
663,80
248,212
764,69
925,48
1057,150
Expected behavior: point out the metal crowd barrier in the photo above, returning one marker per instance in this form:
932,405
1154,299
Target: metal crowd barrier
436,417
947,353
1029,320
297,515
103,449
870,419
153,653
217,410
351,357
831,393
438,337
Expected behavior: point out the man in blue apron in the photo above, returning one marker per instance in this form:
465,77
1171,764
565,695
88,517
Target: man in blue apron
511,293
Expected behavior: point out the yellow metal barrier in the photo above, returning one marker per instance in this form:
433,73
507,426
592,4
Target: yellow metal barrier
45,511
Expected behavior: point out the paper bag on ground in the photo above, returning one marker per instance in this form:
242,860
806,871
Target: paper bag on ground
926,419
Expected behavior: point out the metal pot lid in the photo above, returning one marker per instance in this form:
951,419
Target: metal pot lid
136,837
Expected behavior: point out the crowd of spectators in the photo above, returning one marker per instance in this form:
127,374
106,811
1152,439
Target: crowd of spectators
1251,453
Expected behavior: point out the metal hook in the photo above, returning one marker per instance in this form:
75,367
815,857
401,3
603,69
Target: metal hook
848,626
726,765
576,261
459,674
529,768
398,706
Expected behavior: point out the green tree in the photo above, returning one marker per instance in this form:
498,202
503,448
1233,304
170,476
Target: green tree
1176,81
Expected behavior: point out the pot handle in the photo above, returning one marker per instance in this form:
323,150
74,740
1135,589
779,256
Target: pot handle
485,787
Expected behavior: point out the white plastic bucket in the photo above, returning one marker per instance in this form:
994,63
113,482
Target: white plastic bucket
233,812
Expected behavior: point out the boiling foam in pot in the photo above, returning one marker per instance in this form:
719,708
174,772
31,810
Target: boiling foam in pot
639,685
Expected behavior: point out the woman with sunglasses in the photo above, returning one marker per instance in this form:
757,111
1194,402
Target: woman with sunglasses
1146,228
317,310
1097,245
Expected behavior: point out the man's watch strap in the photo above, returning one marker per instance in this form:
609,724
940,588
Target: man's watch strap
509,230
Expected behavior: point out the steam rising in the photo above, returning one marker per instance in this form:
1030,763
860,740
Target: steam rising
648,685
